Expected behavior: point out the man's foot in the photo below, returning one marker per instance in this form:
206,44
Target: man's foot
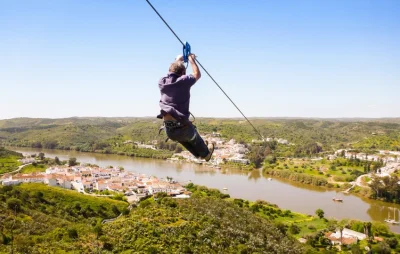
210,151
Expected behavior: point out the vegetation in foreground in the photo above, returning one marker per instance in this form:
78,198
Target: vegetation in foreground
36,218
41,219
312,228
205,223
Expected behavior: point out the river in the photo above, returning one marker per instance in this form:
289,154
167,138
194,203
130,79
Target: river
252,186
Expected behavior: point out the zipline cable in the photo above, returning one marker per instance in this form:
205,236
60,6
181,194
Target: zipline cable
165,22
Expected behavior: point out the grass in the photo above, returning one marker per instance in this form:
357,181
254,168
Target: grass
9,164
311,226
33,169
68,197
322,168
308,224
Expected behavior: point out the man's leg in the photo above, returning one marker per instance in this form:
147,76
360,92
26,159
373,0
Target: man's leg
189,146
190,139
199,145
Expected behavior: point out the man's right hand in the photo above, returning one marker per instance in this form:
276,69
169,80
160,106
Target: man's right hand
195,68
192,58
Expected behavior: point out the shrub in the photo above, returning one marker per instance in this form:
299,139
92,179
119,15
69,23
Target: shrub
72,233
392,241
294,229
311,227
14,204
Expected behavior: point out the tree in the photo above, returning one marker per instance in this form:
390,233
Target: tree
383,248
270,159
72,162
14,204
320,213
115,210
98,229
72,233
376,184
294,229
41,156
178,149
282,227
355,249
392,242
39,195
125,211
57,160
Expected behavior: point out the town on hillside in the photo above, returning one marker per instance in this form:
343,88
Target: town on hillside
89,180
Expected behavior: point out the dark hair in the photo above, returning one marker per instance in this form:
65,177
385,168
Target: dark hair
177,67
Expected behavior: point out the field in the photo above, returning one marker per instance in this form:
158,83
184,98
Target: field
34,169
320,167
8,160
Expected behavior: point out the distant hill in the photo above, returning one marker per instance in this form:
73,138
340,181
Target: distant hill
109,134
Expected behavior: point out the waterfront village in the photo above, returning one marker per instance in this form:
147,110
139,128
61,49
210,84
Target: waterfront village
98,181
87,179
225,151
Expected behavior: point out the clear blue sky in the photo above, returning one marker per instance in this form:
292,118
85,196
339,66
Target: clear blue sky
274,58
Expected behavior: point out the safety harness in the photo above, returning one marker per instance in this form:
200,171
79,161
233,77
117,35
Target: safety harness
173,124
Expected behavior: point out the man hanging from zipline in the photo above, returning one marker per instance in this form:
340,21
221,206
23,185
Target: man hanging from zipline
174,104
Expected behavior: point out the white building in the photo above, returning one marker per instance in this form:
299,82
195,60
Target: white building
348,233
11,182
100,185
50,180
239,160
64,182
182,196
39,178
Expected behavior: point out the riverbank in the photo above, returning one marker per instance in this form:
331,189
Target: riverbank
252,185
316,231
132,152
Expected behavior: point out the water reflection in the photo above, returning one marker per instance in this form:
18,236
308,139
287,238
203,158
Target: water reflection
243,184
254,175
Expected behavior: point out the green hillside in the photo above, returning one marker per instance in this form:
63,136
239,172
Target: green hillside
44,219
107,135
196,225
8,160
36,218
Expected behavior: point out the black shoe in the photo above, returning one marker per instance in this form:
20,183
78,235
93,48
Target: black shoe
210,151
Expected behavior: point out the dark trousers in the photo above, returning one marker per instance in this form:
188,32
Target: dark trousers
188,136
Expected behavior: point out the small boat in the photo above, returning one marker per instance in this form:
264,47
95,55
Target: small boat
337,199
392,221
269,179
225,188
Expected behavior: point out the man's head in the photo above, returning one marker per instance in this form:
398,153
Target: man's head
178,68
